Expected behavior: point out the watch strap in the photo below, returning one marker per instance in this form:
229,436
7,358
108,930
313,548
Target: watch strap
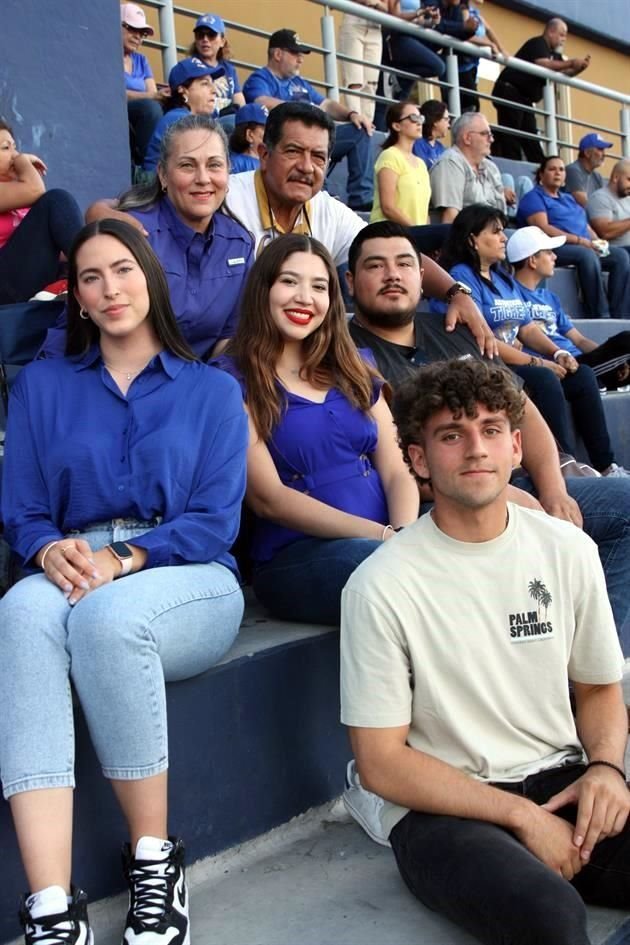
125,563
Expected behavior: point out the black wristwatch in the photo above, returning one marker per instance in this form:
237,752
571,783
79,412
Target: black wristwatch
123,554
454,290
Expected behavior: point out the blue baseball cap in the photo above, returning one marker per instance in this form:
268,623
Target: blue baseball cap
593,141
192,68
252,112
210,21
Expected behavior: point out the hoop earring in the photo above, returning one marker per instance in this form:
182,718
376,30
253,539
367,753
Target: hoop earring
84,315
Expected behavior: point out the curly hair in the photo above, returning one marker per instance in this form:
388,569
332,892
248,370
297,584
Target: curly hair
458,386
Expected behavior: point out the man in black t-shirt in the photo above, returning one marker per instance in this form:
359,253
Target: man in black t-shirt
525,89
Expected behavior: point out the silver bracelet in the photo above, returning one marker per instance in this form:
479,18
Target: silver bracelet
48,547
557,353
388,528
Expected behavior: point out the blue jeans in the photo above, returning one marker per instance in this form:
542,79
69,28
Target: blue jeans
117,645
354,144
30,260
605,508
410,55
143,115
589,271
305,579
483,879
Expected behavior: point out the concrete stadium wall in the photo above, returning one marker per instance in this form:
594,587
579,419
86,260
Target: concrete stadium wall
62,91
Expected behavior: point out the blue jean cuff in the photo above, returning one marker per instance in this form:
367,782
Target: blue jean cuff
135,774
40,783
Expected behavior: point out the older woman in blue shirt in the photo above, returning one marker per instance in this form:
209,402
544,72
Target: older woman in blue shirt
204,250
123,479
559,214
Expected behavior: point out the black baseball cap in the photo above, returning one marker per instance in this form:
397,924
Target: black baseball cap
289,40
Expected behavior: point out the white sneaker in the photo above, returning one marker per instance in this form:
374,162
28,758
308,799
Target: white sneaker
158,896
63,923
616,472
364,806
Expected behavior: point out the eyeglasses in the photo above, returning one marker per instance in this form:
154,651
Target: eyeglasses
486,134
415,118
136,32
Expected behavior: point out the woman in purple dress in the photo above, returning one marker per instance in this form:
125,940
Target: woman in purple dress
325,477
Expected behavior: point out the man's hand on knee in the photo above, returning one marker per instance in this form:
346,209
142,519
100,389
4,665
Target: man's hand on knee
550,839
603,803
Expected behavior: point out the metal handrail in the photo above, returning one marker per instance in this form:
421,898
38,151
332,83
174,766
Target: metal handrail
169,49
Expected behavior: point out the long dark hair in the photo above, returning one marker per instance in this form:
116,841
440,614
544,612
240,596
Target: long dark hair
330,357
469,222
83,333
393,114
6,127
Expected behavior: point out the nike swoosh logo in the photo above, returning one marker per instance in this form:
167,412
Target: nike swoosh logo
181,895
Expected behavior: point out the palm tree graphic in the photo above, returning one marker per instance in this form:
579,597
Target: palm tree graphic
541,595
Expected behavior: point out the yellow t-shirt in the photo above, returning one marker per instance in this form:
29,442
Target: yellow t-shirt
413,188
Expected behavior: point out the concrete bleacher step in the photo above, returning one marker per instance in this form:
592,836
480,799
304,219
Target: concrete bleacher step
318,880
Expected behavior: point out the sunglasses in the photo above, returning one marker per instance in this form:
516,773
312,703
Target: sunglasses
136,31
415,118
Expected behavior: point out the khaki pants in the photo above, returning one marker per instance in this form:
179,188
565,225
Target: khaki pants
362,40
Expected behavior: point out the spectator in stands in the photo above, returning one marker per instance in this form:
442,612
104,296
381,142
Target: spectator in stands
324,476
558,214
211,46
520,88
361,39
401,190
386,284
280,81
204,250
474,253
192,93
135,582
465,173
457,640
488,40
408,53
144,101
608,209
35,225
531,252
435,127
458,21
286,196
247,138
582,177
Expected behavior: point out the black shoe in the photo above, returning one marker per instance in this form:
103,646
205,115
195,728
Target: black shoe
158,897
65,928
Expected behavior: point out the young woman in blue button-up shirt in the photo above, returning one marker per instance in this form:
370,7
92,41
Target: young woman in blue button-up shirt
123,480
325,477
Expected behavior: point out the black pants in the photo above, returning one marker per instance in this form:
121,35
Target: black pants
30,260
609,359
507,145
483,879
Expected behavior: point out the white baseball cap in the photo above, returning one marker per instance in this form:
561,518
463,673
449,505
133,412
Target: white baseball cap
530,240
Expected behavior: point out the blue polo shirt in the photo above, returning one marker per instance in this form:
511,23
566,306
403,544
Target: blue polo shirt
239,163
498,299
545,308
78,452
562,211
294,89
205,273
135,81
430,153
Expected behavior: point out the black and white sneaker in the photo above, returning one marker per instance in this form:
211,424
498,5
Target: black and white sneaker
68,924
158,897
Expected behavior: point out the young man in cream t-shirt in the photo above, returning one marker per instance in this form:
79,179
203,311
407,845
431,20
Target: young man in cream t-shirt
457,638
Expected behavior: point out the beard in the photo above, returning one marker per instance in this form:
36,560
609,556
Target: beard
374,315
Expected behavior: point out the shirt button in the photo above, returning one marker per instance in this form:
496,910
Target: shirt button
121,488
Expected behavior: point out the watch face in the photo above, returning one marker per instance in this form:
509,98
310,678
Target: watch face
121,549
